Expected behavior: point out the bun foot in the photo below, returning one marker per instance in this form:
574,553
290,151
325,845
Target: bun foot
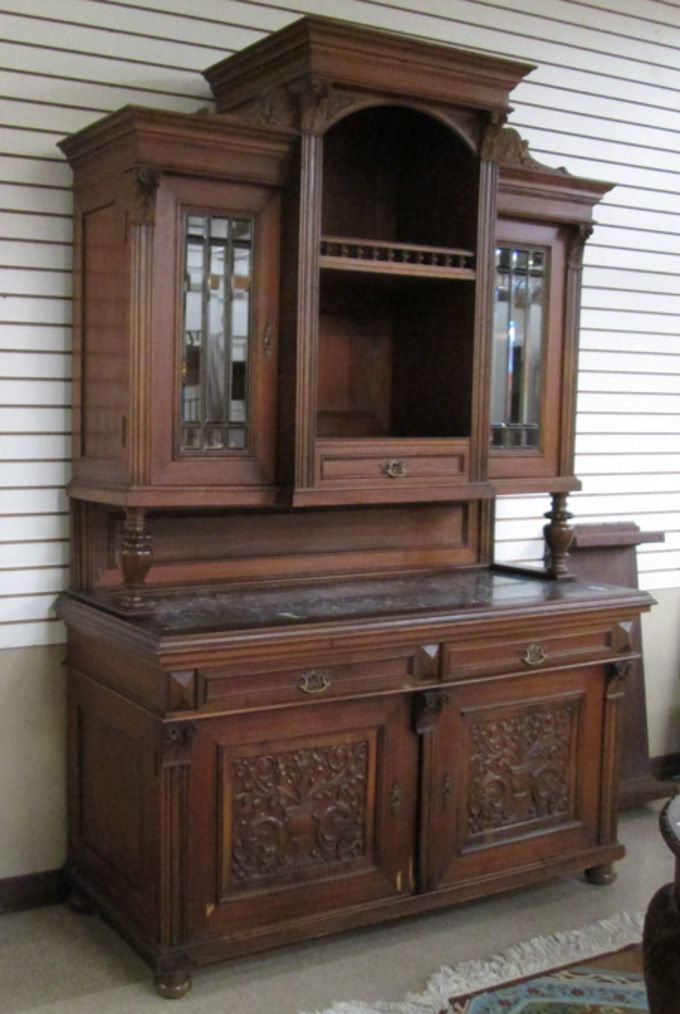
601,875
172,981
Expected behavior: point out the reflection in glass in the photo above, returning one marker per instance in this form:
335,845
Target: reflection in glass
216,333
519,321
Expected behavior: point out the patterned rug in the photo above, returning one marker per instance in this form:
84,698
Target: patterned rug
541,976
575,990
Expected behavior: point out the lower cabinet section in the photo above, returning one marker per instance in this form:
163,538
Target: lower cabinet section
212,835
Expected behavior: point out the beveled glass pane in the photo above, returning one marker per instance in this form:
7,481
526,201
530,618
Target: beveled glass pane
216,331
518,340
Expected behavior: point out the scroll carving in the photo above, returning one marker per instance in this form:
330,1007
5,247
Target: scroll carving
507,146
297,810
520,768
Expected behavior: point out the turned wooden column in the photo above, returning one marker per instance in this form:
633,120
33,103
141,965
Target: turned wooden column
135,557
558,536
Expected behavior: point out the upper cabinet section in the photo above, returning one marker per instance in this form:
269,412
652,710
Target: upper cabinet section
349,285
543,219
176,309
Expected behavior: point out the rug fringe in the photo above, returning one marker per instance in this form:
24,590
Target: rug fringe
541,954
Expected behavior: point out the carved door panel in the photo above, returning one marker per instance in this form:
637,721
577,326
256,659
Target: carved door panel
301,812
516,775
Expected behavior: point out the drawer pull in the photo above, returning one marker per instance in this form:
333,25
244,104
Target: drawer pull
314,681
395,469
535,654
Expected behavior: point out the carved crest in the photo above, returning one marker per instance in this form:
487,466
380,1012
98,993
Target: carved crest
506,145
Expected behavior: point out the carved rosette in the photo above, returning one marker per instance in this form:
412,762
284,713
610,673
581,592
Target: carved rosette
297,810
520,768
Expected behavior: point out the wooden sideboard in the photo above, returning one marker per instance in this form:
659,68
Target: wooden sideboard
250,768
316,333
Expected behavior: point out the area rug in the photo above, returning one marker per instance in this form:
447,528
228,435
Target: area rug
574,990
532,978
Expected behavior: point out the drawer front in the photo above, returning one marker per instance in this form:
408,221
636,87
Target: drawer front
543,649
316,679
396,463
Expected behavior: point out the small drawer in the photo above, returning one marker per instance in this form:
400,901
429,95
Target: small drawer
393,462
297,682
542,649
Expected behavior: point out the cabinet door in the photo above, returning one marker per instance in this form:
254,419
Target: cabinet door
534,355
298,814
516,776
215,334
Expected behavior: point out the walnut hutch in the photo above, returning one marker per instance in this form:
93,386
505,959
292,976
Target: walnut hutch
316,333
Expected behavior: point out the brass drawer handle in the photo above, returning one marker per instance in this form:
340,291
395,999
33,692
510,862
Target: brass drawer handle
314,681
535,654
395,469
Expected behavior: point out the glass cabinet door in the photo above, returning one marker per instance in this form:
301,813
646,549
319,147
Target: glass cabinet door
216,332
518,338
529,433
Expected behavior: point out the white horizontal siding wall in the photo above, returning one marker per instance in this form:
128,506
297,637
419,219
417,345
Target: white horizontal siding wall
603,102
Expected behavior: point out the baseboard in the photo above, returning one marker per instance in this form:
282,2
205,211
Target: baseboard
32,890
666,767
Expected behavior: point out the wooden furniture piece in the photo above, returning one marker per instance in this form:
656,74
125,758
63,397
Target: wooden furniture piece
607,552
661,938
316,332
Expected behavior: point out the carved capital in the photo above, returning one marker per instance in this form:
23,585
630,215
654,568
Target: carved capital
428,708
307,105
576,244
617,675
145,183
176,744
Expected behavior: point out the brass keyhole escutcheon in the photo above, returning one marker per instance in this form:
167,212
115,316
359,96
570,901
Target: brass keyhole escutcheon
314,681
395,469
535,654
